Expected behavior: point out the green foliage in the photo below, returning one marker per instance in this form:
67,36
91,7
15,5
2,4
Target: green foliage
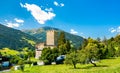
14,59
68,45
61,39
63,44
114,46
26,53
0,67
12,68
65,48
104,66
92,50
49,55
21,63
46,56
22,67
95,49
29,41
15,56
13,39
55,53
8,52
85,42
62,50
98,39
72,58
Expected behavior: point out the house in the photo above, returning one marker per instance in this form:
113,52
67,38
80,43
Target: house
4,63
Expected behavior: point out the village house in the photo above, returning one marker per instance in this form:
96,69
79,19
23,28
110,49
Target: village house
4,63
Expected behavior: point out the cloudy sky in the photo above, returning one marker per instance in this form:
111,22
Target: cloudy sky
87,18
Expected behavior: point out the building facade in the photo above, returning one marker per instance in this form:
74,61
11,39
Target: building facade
51,41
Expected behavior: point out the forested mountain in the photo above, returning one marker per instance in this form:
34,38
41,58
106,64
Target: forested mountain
15,39
41,35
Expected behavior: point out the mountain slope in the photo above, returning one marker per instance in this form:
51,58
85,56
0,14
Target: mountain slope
41,34
15,39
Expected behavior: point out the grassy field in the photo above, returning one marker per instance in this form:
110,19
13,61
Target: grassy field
103,66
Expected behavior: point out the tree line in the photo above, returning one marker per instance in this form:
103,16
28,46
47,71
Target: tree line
91,51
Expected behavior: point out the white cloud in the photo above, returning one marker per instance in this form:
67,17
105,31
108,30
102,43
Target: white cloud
40,15
19,20
12,25
61,4
58,4
112,30
21,5
49,9
115,30
118,29
72,31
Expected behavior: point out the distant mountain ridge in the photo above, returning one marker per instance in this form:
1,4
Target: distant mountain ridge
40,34
15,39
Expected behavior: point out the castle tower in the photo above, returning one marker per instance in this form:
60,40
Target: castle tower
51,41
51,38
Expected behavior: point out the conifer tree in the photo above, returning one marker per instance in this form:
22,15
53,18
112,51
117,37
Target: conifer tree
61,39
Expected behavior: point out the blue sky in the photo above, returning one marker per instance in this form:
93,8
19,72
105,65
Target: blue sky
87,18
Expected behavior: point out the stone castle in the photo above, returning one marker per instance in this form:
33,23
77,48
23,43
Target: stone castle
51,41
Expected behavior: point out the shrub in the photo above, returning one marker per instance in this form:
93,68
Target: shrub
21,63
12,68
47,62
0,67
35,63
22,67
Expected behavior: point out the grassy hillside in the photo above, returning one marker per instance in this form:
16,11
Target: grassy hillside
104,66
41,34
15,39
9,52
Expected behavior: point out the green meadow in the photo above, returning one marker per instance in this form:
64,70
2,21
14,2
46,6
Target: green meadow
103,66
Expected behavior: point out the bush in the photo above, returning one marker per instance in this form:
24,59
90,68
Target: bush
0,67
22,67
21,63
47,56
35,63
12,68
47,62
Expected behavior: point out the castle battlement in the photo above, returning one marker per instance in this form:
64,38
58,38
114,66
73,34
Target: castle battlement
51,31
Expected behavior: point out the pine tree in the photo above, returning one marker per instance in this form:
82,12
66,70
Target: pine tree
61,39
68,45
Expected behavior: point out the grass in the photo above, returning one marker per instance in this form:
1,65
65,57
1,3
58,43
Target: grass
7,51
29,41
33,59
103,66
